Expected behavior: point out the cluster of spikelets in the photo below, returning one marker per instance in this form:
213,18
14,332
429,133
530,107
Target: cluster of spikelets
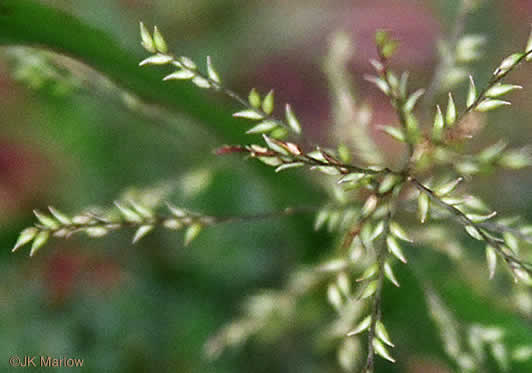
96,223
366,197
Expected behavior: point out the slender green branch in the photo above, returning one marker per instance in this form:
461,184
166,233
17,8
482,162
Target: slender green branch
398,103
283,155
376,309
513,262
382,255
500,73
219,87
255,107
133,215
500,228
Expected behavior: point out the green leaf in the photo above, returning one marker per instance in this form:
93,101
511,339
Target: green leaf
263,127
267,104
423,203
413,132
399,232
60,217
395,249
142,232
128,214
362,326
25,237
291,118
279,133
381,350
467,167
143,211
317,155
476,218
254,98
344,153
248,114
271,161
294,149
147,41
275,146
447,188
528,47
380,83
395,132
369,206
379,228
289,165
511,241
327,170
213,75
450,116
321,218
472,93
473,232
392,81
192,232
188,63
176,211
350,178
491,258
403,84
388,272
39,241
369,290
389,49
158,41
172,224
201,82
344,284
501,89
156,59
382,333
488,104
46,220
522,275
334,296
508,63
388,182
382,37
413,99
369,272
180,74
437,127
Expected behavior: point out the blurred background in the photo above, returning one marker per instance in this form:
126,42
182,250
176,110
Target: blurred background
71,139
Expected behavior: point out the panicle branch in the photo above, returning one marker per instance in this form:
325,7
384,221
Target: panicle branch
371,237
131,214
